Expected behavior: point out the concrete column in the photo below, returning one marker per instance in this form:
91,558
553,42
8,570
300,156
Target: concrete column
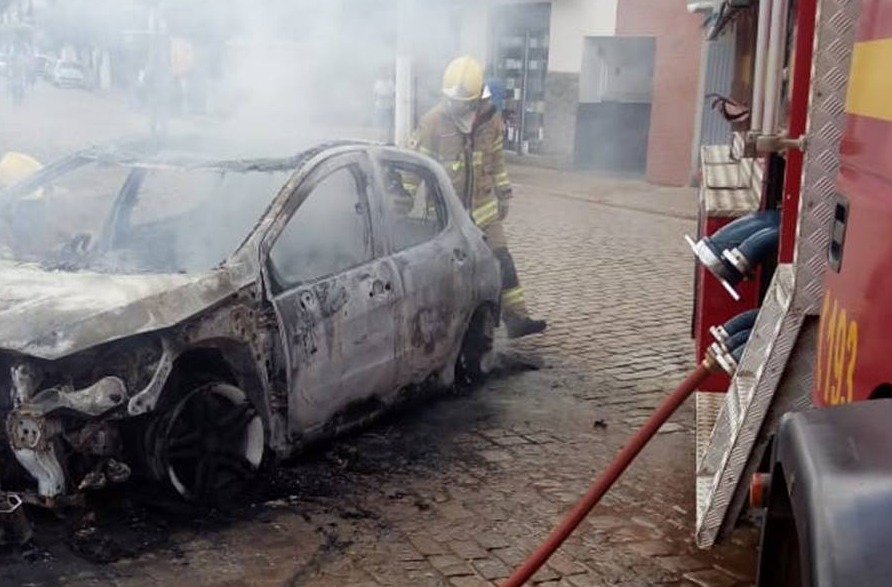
105,71
404,115
404,111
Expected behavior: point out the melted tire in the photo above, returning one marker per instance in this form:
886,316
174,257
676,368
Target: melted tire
210,444
477,356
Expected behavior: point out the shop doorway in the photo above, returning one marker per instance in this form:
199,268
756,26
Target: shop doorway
615,98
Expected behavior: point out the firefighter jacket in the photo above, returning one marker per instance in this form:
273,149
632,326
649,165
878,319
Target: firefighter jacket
474,162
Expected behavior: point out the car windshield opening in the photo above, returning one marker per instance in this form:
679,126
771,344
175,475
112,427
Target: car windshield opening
124,219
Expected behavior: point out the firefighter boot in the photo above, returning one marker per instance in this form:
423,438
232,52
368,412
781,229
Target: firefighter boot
520,326
514,308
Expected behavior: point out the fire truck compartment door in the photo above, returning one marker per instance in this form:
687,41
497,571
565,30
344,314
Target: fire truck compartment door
837,464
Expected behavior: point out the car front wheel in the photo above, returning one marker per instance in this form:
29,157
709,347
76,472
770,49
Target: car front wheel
209,444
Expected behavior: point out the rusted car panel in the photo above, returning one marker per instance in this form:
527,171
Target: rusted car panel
49,316
294,335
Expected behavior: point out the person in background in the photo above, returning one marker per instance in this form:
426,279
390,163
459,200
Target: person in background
497,93
465,133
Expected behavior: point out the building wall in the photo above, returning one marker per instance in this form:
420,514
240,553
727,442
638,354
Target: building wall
571,22
474,38
679,37
617,69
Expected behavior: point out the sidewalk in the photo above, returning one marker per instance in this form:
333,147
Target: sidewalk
630,194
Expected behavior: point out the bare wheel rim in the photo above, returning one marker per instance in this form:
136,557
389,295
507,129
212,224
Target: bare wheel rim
477,358
213,444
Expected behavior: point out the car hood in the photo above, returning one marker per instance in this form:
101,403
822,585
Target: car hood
51,314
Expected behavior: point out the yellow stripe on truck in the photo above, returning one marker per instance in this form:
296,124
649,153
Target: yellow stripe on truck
870,80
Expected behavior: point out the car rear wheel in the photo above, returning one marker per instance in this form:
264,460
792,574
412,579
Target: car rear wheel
477,357
210,444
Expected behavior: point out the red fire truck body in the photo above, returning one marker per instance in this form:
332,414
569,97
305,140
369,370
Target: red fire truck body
853,360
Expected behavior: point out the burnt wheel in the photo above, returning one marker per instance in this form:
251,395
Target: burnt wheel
477,357
211,444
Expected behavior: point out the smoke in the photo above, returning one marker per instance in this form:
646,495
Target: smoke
304,70
257,78
263,74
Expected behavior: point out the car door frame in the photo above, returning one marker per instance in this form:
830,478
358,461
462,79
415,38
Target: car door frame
296,193
422,329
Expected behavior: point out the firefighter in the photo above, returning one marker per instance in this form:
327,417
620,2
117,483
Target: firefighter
16,167
465,133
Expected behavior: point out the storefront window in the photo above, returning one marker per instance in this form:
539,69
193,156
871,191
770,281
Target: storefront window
520,63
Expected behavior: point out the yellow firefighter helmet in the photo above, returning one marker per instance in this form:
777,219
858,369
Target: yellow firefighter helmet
463,80
16,167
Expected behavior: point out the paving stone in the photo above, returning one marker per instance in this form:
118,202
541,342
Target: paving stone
654,548
604,522
491,569
682,563
544,575
511,556
409,553
633,533
491,540
711,578
469,582
450,565
558,583
671,427
468,549
427,546
747,575
565,566
586,580
497,456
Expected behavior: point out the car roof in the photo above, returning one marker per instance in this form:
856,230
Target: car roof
196,153
186,154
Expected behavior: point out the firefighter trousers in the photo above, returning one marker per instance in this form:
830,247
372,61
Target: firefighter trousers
513,300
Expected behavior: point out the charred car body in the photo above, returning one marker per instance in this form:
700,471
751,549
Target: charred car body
173,315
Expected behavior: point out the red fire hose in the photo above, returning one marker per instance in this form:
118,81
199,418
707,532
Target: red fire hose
610,475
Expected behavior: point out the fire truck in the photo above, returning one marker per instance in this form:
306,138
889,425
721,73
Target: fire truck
794,287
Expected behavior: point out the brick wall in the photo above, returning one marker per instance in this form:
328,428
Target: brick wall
679,36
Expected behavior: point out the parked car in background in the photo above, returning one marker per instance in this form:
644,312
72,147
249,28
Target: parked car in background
178,316
70,74
44,67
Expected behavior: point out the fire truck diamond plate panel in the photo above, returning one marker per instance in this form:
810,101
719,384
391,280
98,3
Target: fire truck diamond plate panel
835,38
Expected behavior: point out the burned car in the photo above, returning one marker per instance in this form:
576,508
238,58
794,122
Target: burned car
181,317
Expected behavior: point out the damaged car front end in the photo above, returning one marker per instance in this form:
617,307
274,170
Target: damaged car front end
65,407
104,293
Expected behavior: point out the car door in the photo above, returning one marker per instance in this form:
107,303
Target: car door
334,294
431,256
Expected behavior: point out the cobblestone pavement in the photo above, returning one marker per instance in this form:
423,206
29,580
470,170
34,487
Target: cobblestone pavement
456,490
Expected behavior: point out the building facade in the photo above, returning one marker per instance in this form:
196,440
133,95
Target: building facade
611,85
